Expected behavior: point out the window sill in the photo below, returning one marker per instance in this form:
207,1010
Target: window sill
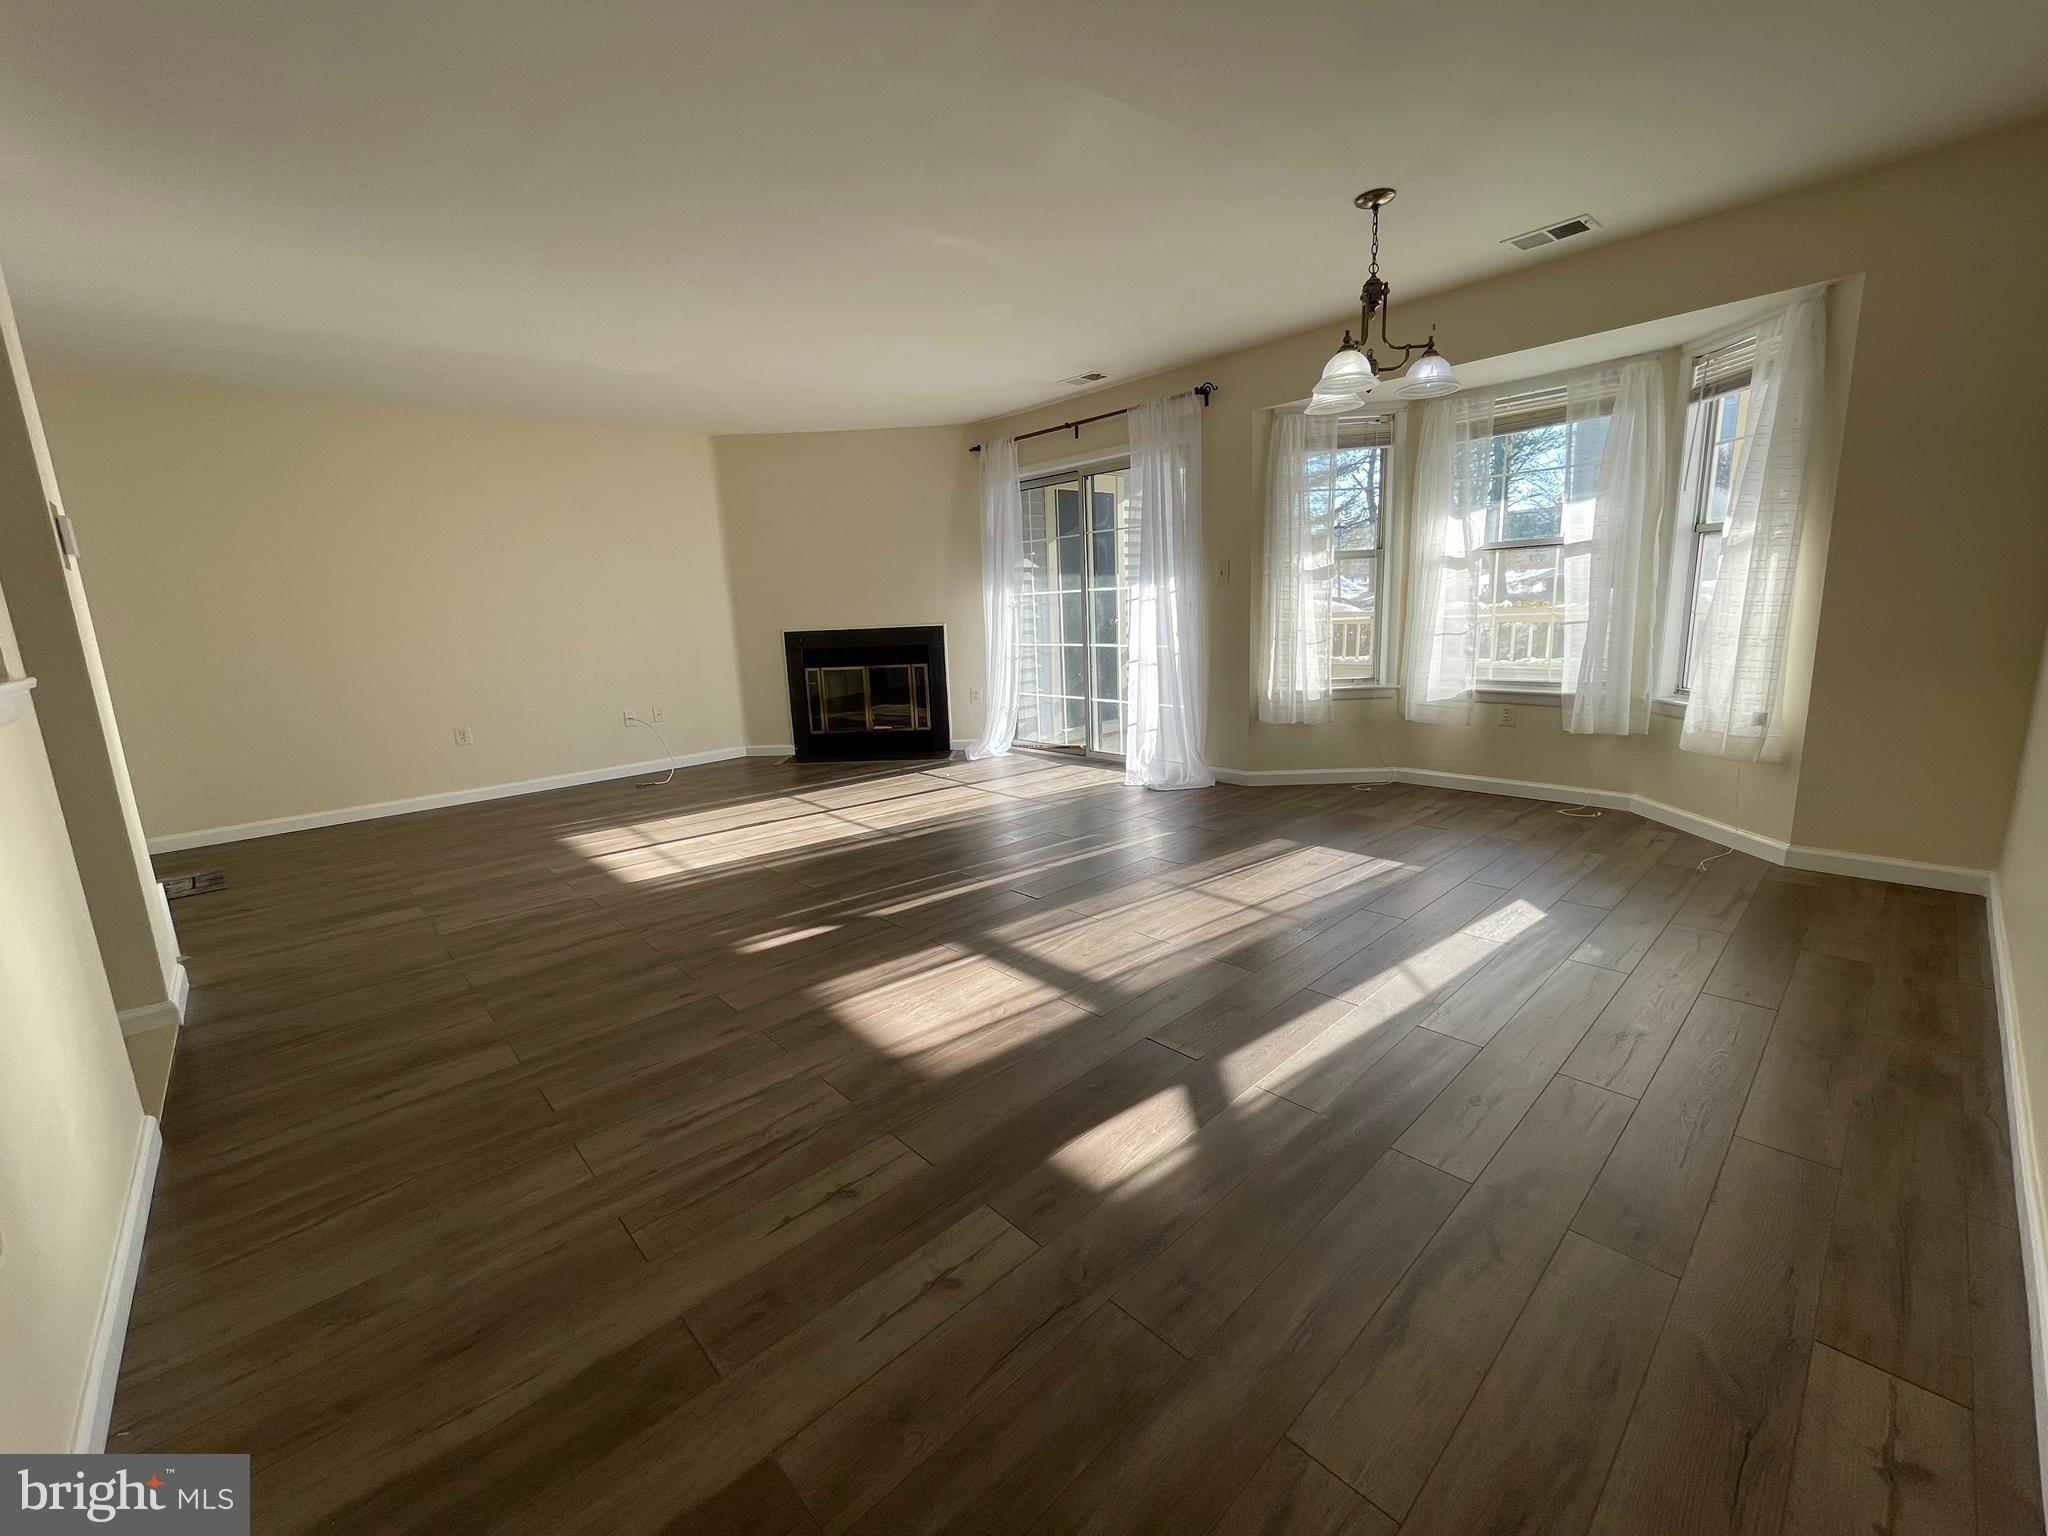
1498,694
1674,707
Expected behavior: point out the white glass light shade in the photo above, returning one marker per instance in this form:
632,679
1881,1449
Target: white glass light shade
1431,375
1346,380
1327,401
1350,370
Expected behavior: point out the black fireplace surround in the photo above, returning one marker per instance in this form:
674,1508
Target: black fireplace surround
866,693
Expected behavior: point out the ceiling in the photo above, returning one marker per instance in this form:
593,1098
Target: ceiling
764,215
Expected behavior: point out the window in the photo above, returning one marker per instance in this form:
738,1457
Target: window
1537,476
1357,497
1073,660
1717,432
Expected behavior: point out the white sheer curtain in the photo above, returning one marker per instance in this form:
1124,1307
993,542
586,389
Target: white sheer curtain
1168,679
1738,671
1300,553
1615,423
1453,487
1002,566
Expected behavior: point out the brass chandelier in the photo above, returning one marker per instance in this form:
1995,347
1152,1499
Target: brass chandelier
1356,371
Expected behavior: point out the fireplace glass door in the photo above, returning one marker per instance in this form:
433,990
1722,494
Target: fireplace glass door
1072,661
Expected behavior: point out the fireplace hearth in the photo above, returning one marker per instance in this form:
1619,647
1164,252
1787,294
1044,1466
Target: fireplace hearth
868,693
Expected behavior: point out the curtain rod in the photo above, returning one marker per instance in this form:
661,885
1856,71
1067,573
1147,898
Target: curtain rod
1204,390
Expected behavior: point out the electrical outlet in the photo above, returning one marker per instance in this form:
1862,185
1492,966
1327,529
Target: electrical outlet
625,719
974,695
464,736
1222,573
660,714
1504,716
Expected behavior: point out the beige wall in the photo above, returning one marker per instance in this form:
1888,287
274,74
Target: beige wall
69,1117
2023,903
830,530
299,599
1940,518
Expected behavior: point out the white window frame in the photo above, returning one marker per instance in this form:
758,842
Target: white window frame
1386,572
1513,688
1681,577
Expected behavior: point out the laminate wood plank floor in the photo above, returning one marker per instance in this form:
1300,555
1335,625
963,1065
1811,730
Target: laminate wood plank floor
991,1147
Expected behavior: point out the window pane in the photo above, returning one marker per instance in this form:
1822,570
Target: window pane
1067,508
1109,683
1105,495
1528,479
1109,727
1354,601
1355,501
1543,480
1068,552
1073,675
1108,616
1706,566
1073,618
1721,428
1102,558
1522,618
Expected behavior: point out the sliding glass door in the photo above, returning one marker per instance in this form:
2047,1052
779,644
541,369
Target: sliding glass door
1072,661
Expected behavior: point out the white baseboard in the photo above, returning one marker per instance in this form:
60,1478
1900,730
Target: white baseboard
103,1372
140,1021
1304,775
177,841
171,1011
1826,861
2019,1110
1870,866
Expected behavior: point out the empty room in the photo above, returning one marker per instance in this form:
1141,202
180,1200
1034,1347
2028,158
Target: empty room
898,767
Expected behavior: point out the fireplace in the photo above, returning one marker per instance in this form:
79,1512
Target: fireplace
862,693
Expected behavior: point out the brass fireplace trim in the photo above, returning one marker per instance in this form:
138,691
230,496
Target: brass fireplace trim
919,689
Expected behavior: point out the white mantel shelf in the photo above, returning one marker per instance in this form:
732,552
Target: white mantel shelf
14,692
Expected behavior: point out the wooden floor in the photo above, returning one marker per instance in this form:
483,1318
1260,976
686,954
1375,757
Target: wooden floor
994,1148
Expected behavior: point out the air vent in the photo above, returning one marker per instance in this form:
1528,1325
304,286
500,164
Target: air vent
1085,378
1550,234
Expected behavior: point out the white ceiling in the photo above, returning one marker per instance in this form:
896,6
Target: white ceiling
764,215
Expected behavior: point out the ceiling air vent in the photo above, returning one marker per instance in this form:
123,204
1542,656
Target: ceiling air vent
1550,234
1085,378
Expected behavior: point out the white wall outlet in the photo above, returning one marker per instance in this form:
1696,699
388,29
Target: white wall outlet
974,695
464,736
1504,716
660,714
1222,573
625,719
